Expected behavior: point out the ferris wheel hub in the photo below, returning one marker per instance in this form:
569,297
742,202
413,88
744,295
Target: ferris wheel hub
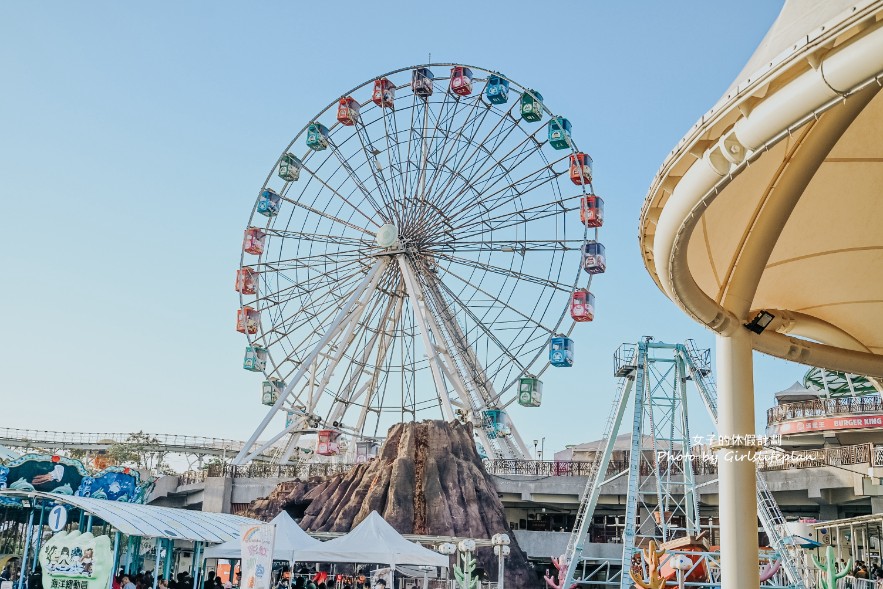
387,236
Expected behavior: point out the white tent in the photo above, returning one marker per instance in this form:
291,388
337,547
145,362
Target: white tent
373,541
290,541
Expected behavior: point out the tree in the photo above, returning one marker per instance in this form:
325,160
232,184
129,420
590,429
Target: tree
141,451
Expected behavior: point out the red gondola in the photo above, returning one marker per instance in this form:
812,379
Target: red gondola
384,93
461,80
326,444
348,111
582,305
246,281
247,320
253,243
591,210
580,168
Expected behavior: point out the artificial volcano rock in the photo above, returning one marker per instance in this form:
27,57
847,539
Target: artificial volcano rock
427,479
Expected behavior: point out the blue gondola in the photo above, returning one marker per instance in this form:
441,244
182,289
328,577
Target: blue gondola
269,203
594,259
317,136
255,358
559,133
496,422
421,82
497,89
561,351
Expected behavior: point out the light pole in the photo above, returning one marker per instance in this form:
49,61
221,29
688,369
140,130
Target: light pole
681,563
535,443
501,549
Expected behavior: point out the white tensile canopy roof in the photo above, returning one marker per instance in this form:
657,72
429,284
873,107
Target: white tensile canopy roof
149,521
373,541
290,541
772,201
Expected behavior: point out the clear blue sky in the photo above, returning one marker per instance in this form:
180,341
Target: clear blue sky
133,137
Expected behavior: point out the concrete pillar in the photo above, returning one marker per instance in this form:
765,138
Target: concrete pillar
876,504
736,470
217,494
829,512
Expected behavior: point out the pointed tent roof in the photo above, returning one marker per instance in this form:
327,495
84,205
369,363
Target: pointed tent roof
796,392
374,541
290,541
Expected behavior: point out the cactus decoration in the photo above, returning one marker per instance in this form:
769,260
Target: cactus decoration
655,580
560,564
768,570
463,571
830,574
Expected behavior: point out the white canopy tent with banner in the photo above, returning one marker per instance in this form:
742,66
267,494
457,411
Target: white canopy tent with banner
374,541
290,540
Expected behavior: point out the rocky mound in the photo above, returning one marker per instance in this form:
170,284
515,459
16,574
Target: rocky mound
427,479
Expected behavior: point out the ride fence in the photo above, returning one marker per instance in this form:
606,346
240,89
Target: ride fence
281,471
824,408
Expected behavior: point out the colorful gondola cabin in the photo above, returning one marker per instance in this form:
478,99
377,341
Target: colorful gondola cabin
253,242
247,320
326,443
591,210
531,106
497,89
461,80
594,258
530,391
421,82
561,351
317,137
348,111
255,359
559,133
246,281
582,305
580,168
384,94
269,202
289,167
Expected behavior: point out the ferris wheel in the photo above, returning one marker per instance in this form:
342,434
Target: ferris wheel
422,249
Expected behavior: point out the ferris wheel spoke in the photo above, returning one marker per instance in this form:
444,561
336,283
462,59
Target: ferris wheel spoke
405,174
333,279
452,299
509,245
355,179
370,153
482,146
491,297
496,167
325,215
508,273
453,146
306,236
339,195
479,223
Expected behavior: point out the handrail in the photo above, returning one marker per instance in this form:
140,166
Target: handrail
824,408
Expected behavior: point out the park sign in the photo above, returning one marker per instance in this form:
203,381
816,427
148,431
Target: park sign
256,566
73,560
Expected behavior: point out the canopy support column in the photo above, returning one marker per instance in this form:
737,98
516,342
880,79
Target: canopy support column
195,566
736,470
24,556
156,544
39,538
116,559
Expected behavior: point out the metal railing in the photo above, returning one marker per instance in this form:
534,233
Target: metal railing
824,408
702,464
192,477
281,471
31,438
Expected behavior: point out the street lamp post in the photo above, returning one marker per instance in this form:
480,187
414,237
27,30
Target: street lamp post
500,543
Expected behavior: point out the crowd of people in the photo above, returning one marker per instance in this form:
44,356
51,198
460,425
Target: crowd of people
144,580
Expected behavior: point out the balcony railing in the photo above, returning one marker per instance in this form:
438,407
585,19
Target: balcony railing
702,464
824,408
